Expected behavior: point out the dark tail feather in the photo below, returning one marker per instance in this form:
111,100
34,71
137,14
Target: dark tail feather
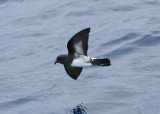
101,62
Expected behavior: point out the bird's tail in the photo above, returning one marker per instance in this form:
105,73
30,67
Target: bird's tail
101,62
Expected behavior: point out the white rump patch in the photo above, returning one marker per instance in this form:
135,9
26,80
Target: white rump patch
82,61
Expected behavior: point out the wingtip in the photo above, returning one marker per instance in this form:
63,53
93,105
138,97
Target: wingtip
88,28
74,78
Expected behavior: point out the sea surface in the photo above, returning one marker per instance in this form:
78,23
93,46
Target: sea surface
34,32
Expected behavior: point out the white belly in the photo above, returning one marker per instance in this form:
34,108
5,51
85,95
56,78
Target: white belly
82,61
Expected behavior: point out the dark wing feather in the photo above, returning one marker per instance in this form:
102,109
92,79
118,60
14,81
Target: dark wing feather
73,72
78,44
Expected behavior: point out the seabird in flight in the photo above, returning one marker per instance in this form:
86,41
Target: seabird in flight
77,57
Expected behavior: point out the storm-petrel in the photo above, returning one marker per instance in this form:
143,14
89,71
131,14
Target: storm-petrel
77,57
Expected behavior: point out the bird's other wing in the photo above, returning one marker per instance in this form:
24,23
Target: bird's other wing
78,44
73,72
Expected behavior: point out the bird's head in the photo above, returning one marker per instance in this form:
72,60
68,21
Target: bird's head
60,59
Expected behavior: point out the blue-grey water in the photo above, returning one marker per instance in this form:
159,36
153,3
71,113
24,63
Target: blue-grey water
34,32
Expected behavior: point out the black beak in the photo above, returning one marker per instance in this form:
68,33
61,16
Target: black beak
55,62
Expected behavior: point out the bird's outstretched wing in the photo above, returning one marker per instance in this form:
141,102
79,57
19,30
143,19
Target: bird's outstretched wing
78,44
73,72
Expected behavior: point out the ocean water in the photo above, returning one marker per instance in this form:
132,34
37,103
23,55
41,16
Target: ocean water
34,33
